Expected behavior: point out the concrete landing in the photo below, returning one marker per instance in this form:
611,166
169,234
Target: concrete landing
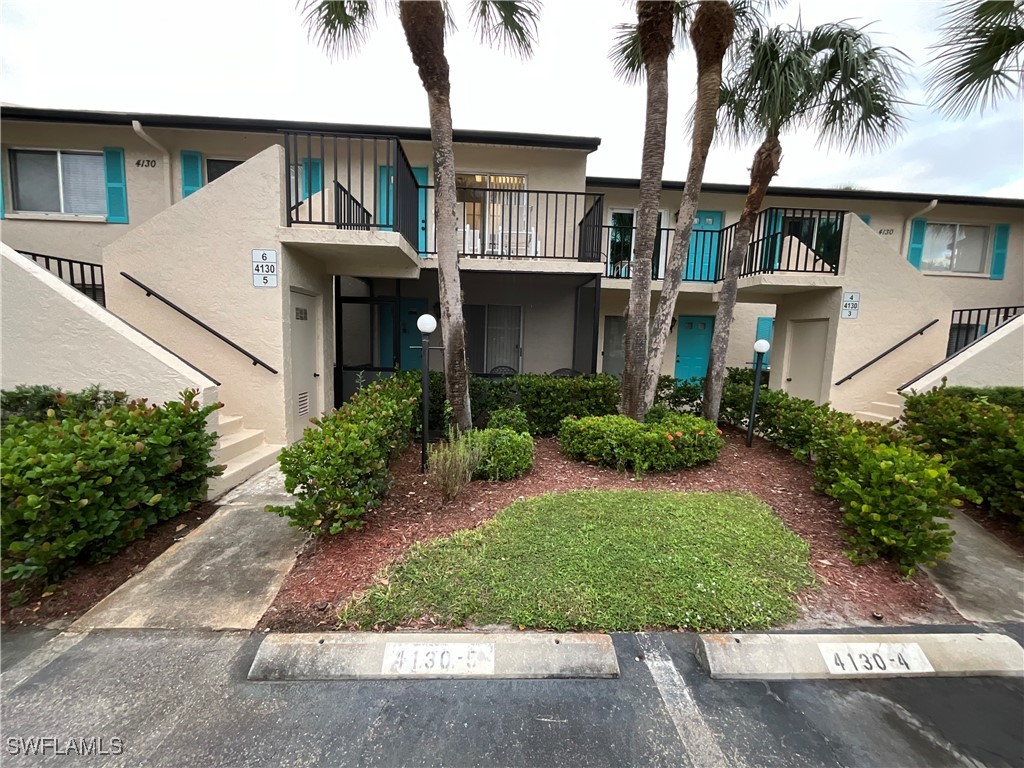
224,575
983,578
434,655
785,656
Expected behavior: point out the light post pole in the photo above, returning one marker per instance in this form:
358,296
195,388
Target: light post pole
427,324
761,347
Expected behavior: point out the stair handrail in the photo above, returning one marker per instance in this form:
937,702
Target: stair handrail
150,292
893,348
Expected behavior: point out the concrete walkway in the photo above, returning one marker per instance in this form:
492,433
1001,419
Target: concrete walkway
224,575
983,577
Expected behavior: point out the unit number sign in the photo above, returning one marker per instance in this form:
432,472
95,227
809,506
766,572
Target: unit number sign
874,658
851,306
264,268
438,659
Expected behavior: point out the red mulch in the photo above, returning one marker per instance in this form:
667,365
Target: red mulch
1002,527
334,567
88,584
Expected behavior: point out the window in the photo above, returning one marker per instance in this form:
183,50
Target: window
217,168
55,181
954,248
493,215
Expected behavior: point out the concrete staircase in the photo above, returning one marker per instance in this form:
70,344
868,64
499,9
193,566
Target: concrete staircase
245,451
884,410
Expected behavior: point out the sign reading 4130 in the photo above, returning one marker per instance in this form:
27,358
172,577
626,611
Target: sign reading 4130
264,268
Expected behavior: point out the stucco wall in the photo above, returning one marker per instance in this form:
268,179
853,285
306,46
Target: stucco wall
53,334
198,254
995,360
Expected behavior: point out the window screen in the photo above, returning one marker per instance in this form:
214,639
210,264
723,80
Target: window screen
34,181
84,182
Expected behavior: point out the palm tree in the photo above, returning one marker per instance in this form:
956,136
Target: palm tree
640,50
343,26
980,56
831,78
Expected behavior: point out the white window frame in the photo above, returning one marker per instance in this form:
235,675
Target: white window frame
482,250
986,251
60,181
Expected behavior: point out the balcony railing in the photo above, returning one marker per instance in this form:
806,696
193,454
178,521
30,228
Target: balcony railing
618,246
85,276
789,240
968,325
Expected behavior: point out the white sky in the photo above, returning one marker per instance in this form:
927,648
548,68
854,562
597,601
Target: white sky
253,59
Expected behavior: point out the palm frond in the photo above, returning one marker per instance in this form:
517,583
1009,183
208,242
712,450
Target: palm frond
511,24
339,26
625,55
978,60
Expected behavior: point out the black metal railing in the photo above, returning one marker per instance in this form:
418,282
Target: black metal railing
351,181
527,224
150,292
795,240
968,325
920,331
84,276
701,263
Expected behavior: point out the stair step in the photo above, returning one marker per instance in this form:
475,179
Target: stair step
238,443
242,467
229,425
870,416
890,408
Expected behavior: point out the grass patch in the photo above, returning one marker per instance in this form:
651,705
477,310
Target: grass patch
608,560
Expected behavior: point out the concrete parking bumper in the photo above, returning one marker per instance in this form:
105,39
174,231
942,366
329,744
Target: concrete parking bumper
823,656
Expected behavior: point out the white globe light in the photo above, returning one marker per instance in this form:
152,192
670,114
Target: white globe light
427,324
762,346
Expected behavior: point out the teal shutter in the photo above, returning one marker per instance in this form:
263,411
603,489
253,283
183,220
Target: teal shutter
765,326
866,218
1000,244
117,189
918,228
191,172
312,177
771,247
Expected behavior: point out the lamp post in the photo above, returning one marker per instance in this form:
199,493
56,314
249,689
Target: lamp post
427,324
761,347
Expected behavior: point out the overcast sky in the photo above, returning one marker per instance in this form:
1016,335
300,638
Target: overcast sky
253,59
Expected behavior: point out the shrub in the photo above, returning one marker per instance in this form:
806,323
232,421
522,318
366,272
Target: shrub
893,499
339,470
505,454
1008,397
78,486
982,443
547,400
679,396
677,441
34,402
509,418
451,465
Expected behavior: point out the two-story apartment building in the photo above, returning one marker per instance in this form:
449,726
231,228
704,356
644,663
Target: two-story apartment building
289,261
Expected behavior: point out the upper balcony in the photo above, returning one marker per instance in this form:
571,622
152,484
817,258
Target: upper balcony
381,207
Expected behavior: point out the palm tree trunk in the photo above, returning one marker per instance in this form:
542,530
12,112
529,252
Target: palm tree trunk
423,23
654,27
766,165
711,33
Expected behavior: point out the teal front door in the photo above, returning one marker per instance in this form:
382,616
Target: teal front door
386,202
702,261
693,346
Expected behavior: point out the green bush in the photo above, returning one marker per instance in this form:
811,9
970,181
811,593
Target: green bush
676,441
1008,397
679,396
504,453
339,470
34,402
77,487
452,464
547,400
982,443
509,418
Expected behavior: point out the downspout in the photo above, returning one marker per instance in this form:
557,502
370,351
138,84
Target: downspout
137,127
905,239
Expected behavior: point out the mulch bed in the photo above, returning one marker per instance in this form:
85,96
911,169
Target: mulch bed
88,584
332,568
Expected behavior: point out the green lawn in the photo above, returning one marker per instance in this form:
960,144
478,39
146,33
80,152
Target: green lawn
611,560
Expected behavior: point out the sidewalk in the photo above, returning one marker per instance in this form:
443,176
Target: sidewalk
224,575
983,577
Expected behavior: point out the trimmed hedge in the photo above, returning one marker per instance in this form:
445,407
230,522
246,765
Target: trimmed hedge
509,418
35,401
1008,397
674,442
83,487
982,443
504,453
339,470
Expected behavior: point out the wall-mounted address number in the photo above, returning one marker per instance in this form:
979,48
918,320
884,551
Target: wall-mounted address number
887,232
145,163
